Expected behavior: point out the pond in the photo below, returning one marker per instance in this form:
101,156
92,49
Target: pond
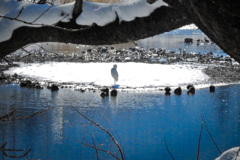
139,121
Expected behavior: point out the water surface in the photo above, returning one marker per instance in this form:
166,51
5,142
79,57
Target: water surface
138,120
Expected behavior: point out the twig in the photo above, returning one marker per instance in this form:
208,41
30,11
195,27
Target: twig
42,14
95,148
211,136
20,12
199,143
8,115
31,115
3,150
103,129
99,149
168,148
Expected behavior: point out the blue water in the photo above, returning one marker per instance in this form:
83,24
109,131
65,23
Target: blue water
139,121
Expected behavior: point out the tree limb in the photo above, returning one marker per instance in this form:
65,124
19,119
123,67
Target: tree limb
161,20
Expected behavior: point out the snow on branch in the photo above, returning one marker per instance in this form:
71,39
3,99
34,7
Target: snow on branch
85,13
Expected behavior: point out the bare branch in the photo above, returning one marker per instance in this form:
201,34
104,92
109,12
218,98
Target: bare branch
99,149
95,148
4,150
103,129
42,14
7,116
20,12
199,143
168,148
211,135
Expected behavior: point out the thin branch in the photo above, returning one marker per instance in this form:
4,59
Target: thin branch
4,150
99,149
20,12
42,14
7,116
103,129
168,148
15,156
199,142
45,25
31,115
211,136
95,148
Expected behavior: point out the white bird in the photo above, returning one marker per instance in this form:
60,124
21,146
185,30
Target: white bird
114,73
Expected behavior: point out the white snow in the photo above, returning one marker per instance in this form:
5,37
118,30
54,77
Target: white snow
189,27
130,74
230,154
98,13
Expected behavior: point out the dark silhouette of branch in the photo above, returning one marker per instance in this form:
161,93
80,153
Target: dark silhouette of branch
20,12
165,141
95,148
211,135
99,149
8,116
199,143
103,129
42,14
4,150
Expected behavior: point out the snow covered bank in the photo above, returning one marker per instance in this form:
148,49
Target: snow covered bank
231,154
130,74
98,13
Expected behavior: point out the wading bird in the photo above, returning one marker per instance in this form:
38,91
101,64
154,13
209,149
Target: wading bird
114,73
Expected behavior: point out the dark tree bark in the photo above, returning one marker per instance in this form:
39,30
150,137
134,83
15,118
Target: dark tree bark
218,19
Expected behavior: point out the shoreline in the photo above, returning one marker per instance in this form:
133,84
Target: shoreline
220,70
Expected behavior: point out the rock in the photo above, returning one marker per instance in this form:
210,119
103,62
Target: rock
26,83
103,94
54,87
178,91
114,92
189,86
106,90
191,91
188,40
212,89
167,91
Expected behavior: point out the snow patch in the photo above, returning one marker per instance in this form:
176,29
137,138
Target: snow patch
189,27
230,154
130,74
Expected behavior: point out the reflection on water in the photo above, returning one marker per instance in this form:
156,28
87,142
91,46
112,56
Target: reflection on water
138,120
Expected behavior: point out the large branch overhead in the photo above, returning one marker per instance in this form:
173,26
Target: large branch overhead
219,20
160,20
